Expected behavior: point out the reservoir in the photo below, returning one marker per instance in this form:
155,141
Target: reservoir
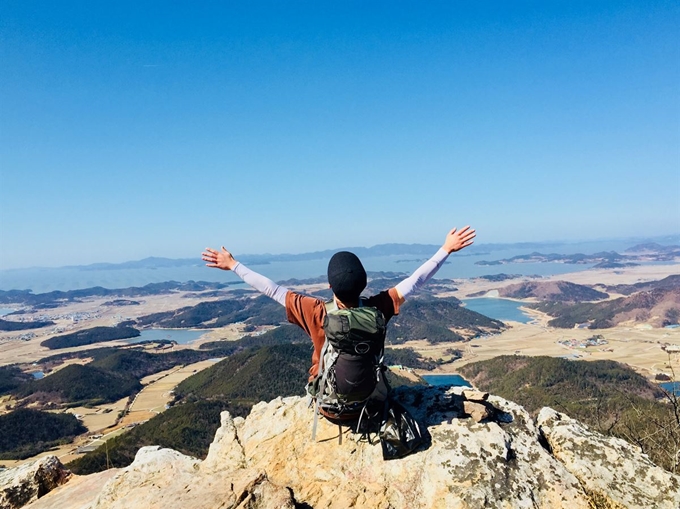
455,380
6,311
181,336
499,309
673,387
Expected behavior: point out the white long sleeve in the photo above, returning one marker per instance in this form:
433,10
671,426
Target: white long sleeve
261,283
422,274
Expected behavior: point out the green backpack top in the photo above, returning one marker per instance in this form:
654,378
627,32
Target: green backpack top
355,331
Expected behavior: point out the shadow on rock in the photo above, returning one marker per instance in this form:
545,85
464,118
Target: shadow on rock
442,404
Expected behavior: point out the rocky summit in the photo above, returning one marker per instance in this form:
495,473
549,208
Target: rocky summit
508,460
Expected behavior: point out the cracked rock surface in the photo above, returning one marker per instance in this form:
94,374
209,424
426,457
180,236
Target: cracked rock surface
270,461
611,470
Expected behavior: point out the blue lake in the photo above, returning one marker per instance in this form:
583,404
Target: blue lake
672,387
6,311
181,336
500,309
455,380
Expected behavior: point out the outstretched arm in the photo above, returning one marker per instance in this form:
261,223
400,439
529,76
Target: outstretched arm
455,241
224,260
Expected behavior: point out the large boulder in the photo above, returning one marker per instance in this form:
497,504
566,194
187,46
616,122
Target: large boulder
270,457
29,482
612,471
504,461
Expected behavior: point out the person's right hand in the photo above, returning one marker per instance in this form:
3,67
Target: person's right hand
219,259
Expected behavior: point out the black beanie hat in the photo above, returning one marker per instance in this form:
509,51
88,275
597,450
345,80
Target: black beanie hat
346,275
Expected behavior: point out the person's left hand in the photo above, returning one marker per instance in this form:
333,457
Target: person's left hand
219,259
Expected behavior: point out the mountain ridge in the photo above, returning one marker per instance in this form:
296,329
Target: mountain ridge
376,250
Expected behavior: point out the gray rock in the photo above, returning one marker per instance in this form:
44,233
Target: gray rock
29,482
269,461
472,395
613,472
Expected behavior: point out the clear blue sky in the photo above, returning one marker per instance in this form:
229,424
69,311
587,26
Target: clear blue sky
134,129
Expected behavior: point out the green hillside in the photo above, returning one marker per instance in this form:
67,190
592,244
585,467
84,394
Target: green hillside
11,377
259,311
25,433
76,384
554,291
234,384
607,395
6,325
89,336
284,334
252,375
409,357
139,363
602,315
431,318
188,428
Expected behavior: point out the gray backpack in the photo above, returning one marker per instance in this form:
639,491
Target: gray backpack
351,370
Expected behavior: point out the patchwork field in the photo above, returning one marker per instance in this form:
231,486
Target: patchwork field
157,392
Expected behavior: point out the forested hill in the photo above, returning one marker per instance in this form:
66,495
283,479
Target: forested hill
12,377
78,384
556,378
27,432
58,297
251,376
658,307
557,291
90,336
258,311
667,283
433,319
234,384
10,326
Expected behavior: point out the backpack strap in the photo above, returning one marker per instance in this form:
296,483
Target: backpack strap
322,385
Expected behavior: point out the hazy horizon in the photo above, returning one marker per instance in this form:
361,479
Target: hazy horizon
477,249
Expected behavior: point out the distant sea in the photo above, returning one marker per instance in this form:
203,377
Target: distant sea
459,265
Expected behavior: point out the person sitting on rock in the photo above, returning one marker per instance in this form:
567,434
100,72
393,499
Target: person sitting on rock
347,279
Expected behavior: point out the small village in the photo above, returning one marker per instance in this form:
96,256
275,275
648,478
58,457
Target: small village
596,340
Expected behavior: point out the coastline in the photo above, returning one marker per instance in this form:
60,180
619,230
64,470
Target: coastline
631,343
14,351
